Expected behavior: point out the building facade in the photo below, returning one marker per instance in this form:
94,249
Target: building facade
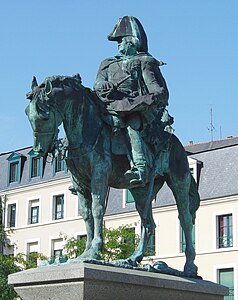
41,211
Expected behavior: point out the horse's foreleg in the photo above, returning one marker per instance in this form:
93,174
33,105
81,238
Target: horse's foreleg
85,210
99,185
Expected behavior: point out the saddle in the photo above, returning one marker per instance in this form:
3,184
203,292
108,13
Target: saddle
156,147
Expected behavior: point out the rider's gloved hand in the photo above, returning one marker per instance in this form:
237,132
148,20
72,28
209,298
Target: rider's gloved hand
107,86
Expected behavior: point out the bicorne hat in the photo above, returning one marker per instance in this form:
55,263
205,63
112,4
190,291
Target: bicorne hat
129,26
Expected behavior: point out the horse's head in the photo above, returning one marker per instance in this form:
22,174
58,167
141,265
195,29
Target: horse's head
43,117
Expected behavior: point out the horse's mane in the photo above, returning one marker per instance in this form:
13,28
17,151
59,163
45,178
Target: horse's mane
74,82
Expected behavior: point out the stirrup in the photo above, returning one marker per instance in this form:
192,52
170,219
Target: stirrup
135,177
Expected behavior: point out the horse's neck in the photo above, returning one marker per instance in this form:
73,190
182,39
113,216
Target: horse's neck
81,121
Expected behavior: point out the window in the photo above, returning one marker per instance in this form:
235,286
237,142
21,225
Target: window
226,277
34,215
33,212
14,172
224,231
59,164
57,249
183,241
195,167
58,207
32,254
129,197
58,253
36,166
14,167
32,258
11,215
82,237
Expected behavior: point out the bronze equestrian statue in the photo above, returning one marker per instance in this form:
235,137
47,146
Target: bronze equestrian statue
119,136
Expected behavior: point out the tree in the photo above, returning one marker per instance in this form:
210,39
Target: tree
2,231
118,243
8,266
7,263
11,264
74,247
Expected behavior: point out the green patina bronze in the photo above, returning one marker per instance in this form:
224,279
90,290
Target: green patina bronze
117,135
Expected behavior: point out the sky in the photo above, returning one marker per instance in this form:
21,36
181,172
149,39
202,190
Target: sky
198,39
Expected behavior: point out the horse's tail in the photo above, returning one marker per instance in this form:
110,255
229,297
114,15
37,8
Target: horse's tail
194,198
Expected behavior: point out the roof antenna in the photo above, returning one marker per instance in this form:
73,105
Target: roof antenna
211,127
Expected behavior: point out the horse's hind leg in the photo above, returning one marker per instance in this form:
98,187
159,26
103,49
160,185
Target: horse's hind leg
180,189
147,223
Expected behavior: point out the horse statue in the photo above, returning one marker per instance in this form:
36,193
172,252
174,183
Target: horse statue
94,168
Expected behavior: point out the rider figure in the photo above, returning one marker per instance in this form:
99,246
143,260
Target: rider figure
131,74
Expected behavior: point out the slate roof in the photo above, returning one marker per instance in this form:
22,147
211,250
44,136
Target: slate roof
209,146
47,174
218,176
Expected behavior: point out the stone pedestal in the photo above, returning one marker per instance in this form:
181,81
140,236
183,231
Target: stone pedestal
94,282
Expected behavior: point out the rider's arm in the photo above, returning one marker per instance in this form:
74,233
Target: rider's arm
102,86
154,80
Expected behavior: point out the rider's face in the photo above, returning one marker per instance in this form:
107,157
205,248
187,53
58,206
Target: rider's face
126,46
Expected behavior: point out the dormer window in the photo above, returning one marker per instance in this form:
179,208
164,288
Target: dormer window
14,168
59,163
195,167
36,166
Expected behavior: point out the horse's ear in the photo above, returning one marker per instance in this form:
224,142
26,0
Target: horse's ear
78,77
34,83
48,87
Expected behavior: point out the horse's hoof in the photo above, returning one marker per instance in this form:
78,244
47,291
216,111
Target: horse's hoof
190,270
74,260
126,263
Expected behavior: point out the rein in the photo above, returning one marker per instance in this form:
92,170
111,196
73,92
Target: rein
75,147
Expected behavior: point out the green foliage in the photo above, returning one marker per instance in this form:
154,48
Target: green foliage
74,247
118,243
13,264
29,261
8,266
3,235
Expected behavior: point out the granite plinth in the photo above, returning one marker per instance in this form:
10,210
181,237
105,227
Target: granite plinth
94,282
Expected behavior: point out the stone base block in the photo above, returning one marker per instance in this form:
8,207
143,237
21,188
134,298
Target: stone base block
95,282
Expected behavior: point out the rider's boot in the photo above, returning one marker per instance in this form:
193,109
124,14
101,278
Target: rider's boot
138,174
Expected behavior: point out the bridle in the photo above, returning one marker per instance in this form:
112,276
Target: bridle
54,132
